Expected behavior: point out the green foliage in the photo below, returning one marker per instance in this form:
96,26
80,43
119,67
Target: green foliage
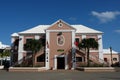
5,53
87,44
117,64
32,45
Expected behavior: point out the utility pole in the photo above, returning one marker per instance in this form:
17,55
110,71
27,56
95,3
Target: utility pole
111,55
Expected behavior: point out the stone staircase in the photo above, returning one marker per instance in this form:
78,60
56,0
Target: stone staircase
28,58
92,57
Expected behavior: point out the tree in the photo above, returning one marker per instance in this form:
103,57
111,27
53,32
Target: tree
4,53
87,44
34,46
1,56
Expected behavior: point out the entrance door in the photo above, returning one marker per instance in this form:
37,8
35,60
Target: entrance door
60,63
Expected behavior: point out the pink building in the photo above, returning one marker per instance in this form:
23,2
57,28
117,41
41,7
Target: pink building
60,51
108,55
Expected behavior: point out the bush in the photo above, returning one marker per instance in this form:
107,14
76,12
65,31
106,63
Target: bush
117,64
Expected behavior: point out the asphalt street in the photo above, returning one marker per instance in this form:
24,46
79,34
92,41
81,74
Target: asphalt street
59,75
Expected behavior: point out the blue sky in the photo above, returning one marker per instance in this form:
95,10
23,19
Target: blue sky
103,15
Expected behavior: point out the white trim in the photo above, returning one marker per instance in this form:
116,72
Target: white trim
60,25
66,65
73,39
62,30
73,51
63,41
47,64
94,50
37,37
100,47
55,61
83,36
60,20
20,49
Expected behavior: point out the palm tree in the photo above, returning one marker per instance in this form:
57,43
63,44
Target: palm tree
33,46
87,44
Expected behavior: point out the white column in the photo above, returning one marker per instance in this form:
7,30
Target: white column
20,49
100,47
47,64
55,62
73,50
12,40
83,36
37,37
66,64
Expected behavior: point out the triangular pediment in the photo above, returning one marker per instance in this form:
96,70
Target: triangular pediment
60,25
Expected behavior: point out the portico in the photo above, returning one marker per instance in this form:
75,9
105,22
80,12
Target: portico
60,38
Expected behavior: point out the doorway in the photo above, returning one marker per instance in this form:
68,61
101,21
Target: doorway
60,62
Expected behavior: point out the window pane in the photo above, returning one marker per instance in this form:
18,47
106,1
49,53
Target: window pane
78,59
115,59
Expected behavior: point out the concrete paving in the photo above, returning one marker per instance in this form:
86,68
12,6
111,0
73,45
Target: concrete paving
59,75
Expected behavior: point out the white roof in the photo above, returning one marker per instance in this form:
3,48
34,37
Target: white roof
41,29
84,29
107,51
14,35
36,30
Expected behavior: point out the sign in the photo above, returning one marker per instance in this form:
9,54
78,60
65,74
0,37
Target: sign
60,50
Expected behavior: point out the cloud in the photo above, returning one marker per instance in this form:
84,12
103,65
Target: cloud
118,31
106,16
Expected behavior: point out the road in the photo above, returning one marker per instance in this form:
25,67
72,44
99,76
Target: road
59,75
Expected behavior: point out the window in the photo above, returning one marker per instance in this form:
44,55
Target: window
78,59
77,41
60,25
114,59
27,40
105,59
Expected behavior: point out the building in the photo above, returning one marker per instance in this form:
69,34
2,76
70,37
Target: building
4,47
60,51
108,55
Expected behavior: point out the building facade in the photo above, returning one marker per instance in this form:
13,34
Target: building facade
111,57
3,57
60,50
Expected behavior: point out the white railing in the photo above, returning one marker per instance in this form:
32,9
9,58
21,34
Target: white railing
92,57
27,57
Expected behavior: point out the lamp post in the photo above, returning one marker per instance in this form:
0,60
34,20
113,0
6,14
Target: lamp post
111,55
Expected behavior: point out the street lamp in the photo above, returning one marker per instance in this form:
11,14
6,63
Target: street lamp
111,55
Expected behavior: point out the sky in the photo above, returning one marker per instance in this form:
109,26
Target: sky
102,15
